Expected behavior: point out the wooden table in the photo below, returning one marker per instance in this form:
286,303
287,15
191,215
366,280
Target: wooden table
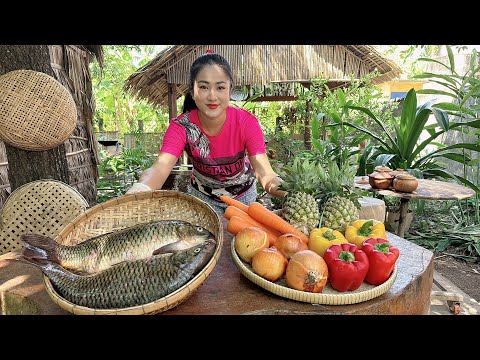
426,190
227,292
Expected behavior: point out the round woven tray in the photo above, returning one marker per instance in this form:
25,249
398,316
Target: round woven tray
36,111
132,209
329,296
41,207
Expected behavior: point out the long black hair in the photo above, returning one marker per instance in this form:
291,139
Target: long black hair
197,65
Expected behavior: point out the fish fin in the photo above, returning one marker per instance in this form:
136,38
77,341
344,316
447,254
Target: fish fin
79,272
172,247
40,247
33,261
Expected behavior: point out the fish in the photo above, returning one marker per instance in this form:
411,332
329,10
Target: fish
100,252
129,283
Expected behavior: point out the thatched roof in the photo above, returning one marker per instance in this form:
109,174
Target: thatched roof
94,50
259,65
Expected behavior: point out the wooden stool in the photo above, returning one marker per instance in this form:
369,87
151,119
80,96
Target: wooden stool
372,208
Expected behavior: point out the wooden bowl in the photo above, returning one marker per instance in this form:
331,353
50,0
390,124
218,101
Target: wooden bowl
405,183
380,180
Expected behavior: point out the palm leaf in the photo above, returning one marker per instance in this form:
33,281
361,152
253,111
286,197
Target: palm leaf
451,58
373,117
434,61
442,118
469,94
454,108
447,78
368,132
436,92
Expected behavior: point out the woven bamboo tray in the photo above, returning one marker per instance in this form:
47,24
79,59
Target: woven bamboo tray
329,296
132,209
36,111
41,207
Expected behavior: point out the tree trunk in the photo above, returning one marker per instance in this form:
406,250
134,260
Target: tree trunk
27,166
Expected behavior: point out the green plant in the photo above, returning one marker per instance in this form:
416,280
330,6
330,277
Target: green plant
406,149
283,149
464,89
466,238
342,145
118,172
116,109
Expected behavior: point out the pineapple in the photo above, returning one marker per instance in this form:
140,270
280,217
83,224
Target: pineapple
301,211
300,207
338,200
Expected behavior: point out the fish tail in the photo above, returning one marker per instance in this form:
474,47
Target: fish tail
34,261
39,247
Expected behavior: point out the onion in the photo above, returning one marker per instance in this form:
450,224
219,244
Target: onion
248,241
269,263
307,271
289,244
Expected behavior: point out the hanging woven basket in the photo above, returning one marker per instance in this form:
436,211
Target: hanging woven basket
36,111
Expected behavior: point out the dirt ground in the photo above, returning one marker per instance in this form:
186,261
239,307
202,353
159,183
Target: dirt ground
463,274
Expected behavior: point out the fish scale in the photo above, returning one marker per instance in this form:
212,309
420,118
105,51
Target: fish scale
102,251
130,283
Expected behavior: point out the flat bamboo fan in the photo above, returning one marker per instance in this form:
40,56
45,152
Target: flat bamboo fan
36,112
42,207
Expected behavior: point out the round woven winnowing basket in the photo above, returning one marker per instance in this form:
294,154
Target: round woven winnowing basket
36,111
132,209
40,207
328,296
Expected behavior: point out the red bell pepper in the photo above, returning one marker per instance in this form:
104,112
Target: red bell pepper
347,266
382,257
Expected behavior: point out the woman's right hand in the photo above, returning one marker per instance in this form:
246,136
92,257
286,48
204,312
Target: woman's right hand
138,187
156,175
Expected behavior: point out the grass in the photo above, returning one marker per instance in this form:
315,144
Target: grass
444,226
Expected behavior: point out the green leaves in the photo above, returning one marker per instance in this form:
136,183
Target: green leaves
405,148
118,110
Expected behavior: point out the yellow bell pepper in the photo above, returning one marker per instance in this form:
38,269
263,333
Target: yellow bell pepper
360,230
321,239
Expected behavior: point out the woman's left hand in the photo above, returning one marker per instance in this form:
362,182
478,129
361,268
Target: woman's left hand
269,180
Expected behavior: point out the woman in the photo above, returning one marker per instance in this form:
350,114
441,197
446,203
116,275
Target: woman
216,138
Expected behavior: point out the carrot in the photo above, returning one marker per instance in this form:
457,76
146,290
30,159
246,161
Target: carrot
236,224
232,210
272,220
271,233
232,202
